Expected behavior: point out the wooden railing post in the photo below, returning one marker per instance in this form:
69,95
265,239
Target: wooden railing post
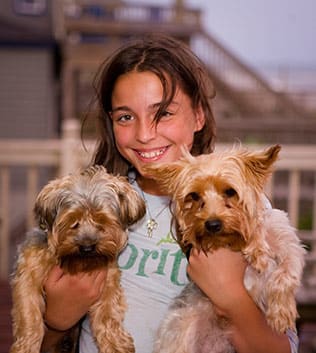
4,222
294,195
31,192
69,154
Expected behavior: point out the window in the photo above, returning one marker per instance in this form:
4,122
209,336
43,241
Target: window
30,7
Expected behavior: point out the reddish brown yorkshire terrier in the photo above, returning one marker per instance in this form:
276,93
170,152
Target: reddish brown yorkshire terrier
82,225
218,201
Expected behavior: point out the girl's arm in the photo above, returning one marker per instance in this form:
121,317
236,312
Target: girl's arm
220,275
68,299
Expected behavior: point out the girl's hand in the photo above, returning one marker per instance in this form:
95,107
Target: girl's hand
69,297
219,274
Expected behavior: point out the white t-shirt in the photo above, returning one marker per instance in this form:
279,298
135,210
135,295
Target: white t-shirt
153,273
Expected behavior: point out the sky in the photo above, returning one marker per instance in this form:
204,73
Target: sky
263,33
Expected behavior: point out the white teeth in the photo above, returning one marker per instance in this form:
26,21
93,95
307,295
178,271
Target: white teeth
151,154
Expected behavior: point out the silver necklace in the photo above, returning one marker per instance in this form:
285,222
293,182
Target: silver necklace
152,222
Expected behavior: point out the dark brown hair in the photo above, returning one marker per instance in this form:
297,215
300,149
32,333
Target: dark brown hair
176,66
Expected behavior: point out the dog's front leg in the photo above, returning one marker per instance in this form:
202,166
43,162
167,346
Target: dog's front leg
283,281
28,328
281,310
107,316
28,303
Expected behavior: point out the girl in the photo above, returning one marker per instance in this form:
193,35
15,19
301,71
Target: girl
154,96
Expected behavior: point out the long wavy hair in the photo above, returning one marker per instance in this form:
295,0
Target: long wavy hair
175,65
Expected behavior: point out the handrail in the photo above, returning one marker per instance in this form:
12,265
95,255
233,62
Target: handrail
81,17
67,154
239,78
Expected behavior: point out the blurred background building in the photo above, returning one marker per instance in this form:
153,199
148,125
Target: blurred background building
49,53
51,47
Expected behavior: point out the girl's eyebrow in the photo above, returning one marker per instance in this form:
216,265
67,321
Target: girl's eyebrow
123,107
126,108
153,106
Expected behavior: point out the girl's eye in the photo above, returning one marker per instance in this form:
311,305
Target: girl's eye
124,118
166,114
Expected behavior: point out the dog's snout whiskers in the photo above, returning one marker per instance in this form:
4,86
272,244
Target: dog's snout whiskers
213,225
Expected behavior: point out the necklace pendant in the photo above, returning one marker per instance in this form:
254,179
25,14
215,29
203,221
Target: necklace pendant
151,225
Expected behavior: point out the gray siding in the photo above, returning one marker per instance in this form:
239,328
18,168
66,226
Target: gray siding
28,106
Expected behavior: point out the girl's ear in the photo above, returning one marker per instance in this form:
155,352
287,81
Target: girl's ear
199,118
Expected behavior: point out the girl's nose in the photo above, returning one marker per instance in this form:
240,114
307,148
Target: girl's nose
146,130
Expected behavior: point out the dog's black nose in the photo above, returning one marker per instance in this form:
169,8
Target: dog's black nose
213,225
85,249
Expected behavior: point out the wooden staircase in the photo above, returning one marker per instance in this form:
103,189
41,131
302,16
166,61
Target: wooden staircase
240,83
246,104
88,31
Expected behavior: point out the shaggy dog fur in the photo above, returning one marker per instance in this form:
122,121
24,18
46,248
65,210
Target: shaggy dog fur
82,226
218,201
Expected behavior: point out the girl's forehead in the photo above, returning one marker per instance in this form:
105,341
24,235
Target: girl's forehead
141,76
142,85
133,86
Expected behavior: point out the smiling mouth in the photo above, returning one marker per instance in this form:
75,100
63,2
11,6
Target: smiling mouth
152,154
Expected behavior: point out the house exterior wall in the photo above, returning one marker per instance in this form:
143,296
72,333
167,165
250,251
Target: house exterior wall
28,100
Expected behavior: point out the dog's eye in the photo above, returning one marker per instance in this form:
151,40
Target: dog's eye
194,196
75,225
230,192
193,199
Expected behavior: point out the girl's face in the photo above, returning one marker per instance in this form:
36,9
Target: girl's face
135,100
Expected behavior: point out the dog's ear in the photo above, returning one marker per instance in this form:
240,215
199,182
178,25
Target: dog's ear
165,174
259,164
46,205
132,205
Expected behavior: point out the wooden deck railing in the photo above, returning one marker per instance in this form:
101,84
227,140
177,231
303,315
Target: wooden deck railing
83,20
67,154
